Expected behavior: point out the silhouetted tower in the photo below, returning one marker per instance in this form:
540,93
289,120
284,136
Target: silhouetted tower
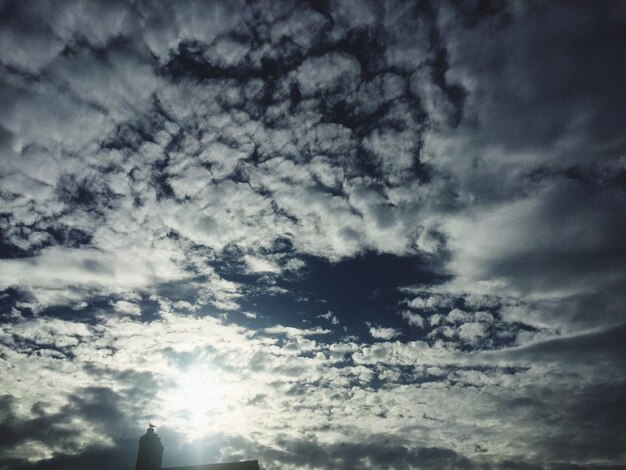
150,451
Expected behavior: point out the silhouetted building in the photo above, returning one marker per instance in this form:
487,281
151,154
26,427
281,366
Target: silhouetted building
150,451
150,456
247,465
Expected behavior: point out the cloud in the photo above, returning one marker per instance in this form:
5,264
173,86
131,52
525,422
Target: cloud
128,308
582,347
257,265
293,332
56,270
495,245
331,70
430,173
383,333
471,332
413,319
330,317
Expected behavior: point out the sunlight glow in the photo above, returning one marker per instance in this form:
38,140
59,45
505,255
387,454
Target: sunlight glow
194,404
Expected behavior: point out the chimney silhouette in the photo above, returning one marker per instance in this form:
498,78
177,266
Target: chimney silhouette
150,451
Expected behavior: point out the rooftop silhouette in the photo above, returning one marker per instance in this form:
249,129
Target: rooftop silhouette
150,456
245,465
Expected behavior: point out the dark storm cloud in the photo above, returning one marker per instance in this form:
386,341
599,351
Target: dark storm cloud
556,69
379,452
601,408
402,222
96,406
548,109
586,347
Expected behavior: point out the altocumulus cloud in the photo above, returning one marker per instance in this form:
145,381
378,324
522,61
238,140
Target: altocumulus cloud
338,234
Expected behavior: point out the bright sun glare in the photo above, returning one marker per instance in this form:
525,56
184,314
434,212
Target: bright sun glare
193,404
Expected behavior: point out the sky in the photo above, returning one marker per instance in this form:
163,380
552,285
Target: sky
324,234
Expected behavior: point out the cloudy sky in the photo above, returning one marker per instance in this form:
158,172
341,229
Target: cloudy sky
325,235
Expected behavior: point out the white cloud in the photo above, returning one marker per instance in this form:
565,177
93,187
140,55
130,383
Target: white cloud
60,268
330,316
260,265
292,332
319,73
383,333
128,308
457,316
471,332
414,319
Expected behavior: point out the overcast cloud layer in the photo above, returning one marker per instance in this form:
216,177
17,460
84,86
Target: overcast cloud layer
326,234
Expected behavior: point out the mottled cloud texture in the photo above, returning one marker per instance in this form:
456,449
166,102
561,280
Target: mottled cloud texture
325,234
